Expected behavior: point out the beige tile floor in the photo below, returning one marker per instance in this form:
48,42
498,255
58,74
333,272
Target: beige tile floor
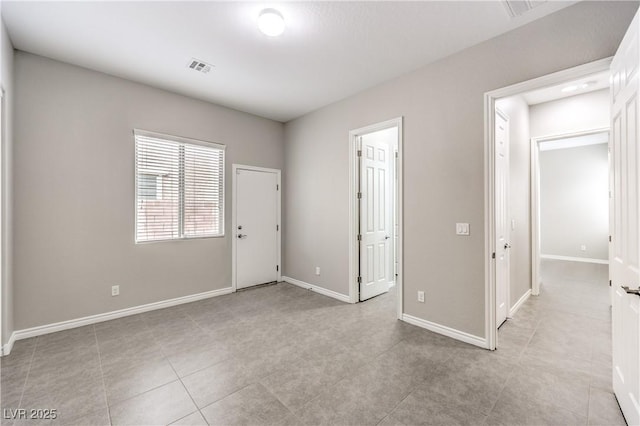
283,355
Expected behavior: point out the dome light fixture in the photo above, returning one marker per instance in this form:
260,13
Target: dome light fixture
271,22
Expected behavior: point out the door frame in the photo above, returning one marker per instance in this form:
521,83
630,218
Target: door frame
3,205
490,99
354,245
234,192
535,197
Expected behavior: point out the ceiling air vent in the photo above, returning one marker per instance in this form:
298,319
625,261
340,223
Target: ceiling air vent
198,65
517,8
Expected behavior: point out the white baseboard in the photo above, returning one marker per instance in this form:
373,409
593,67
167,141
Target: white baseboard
341,297
574,259
446,331
6,349
519,303
93,319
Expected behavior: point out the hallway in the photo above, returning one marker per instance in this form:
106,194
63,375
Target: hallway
561,340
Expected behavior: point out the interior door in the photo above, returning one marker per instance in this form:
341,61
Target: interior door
502,216
625,254
376,202
257,227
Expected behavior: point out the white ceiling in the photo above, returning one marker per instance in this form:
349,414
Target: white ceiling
329,50
595,82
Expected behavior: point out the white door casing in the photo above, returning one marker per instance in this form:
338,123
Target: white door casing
502,216
256,226
490,99
625,230
376,215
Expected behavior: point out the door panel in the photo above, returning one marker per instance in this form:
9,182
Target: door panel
376,255
625,253
256,233
502,216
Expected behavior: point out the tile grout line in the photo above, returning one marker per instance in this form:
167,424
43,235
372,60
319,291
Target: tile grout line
513,371
438,368
26,379
176,373
278,399
104,384
148,390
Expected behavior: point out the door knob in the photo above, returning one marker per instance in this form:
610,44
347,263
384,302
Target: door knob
507,246
386,237
242,236
635,291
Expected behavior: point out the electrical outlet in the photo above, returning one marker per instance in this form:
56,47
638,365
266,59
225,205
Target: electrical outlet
583,247
115,290
421,296
317,270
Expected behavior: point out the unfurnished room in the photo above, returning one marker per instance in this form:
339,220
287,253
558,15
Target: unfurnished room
319,213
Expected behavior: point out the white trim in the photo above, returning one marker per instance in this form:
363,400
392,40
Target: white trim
320,290
446,331
519,303
353,209
179,139
6,349
489,173
234,191
535,217
535,201
107,316
3,252
575,259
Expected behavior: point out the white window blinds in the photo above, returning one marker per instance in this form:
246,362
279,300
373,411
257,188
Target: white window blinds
179,188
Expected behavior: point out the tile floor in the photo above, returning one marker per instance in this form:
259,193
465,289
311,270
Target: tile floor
283,355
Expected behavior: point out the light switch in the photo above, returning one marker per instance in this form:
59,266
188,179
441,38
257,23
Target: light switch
462,229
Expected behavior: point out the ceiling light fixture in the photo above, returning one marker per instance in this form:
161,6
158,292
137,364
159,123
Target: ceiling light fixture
571,88
271,22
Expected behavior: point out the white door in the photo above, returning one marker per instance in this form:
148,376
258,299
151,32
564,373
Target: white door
502,216
376,203
625,253
257,227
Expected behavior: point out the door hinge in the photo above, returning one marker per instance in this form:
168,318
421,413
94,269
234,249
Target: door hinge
277,187
609,283
359,153
277,227
493,255
359,195
277,267
359,280
359,237
396,154
609,238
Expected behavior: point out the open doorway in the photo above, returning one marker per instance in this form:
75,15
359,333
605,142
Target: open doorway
570,204
542,113
376,211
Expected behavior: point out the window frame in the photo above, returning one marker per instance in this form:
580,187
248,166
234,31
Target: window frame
183,141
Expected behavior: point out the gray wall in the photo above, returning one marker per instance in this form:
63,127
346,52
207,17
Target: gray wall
519,195
443,151
574,204
559,234
74,191
6,81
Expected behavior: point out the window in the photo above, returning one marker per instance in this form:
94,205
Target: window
179,188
